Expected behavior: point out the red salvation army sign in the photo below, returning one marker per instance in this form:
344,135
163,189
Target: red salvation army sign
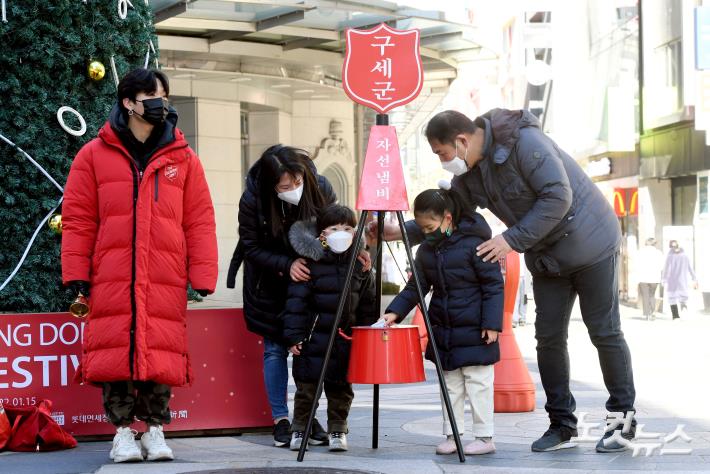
382,68
39,354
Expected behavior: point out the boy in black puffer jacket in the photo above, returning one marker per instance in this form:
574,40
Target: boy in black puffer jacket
310,313
466,309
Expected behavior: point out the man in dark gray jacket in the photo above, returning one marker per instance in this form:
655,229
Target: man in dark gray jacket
570,236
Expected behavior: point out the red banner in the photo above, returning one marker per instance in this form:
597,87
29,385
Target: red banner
40,353
382,186
382,68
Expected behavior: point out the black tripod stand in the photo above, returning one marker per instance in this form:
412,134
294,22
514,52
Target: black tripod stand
382,119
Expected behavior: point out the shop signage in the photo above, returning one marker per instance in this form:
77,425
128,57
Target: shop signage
626,201
702,38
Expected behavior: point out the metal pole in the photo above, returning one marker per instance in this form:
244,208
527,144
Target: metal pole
437,360
378,285
380,119
333,333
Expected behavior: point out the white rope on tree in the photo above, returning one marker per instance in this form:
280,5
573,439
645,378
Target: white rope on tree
123,8
41,224
31,160
114,72
29,245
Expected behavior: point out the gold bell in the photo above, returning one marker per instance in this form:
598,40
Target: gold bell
80,307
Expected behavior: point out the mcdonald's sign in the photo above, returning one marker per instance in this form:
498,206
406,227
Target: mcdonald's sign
625,201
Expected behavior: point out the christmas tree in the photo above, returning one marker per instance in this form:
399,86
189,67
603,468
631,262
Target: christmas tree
55,54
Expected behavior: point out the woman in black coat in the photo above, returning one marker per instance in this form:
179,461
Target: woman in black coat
282,187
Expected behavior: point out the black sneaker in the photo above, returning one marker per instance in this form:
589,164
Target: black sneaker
556,437
282,433
613,446
318,436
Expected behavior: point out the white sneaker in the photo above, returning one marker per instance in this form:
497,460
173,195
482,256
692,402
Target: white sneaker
297,440
337,441
153,445
125,448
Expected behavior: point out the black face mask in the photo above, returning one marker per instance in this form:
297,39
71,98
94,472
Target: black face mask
154,110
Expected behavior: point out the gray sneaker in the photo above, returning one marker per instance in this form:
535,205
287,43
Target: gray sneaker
557,437
609,443
337,441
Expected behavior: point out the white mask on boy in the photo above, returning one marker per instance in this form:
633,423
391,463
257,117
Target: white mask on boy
339,241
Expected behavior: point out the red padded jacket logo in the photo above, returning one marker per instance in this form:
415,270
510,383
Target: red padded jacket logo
171,172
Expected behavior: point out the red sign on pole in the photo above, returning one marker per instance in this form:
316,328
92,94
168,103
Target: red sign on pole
382,186
382,68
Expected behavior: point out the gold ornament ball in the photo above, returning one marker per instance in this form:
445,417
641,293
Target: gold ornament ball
97,71
55,223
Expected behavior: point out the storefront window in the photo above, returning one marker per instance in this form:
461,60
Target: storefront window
703,195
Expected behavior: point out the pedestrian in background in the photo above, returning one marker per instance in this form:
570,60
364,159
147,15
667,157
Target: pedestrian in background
676,274
649,267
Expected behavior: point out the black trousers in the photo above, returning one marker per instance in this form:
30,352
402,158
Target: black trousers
147,401
597,288
340,397
648,297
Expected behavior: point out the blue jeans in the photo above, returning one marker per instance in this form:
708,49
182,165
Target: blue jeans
276,377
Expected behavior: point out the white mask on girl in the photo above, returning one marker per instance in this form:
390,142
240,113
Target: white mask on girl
293,196
339,241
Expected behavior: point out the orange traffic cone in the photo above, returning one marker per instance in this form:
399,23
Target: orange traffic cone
418,321
514,390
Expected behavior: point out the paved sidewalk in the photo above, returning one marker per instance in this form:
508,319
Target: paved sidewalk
670,362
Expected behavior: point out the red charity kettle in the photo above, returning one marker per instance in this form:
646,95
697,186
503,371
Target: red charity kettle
385,355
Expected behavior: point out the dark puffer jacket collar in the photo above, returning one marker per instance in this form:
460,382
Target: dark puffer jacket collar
470,225
159,138
502,127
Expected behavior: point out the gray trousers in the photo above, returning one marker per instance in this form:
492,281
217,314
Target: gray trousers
648,297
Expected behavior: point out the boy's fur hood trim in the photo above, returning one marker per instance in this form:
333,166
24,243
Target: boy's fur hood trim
303,237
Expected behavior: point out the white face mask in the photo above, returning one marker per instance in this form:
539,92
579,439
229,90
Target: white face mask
339,241
293,196
457,166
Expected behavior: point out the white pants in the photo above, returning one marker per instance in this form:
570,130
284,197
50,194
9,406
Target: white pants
477,382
